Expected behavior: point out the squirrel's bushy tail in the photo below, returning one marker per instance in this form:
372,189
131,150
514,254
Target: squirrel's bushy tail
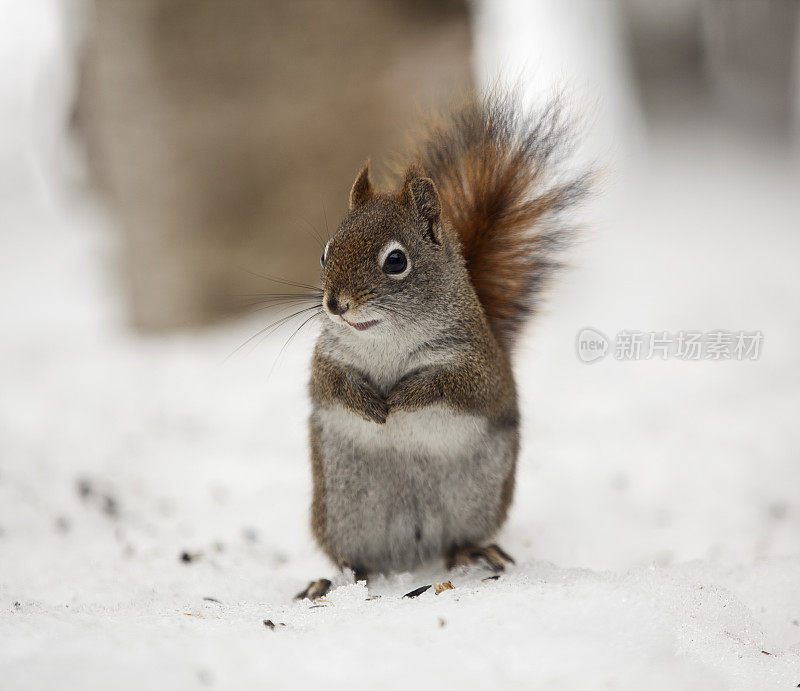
497,172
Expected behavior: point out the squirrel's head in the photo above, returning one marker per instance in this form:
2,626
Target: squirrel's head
384,269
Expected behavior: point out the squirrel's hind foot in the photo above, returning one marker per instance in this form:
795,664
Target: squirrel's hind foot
315,590
493,556
322,586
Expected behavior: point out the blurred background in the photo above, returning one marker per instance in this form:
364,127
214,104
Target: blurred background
160,158
220,136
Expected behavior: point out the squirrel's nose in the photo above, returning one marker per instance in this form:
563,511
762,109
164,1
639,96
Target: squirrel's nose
335,308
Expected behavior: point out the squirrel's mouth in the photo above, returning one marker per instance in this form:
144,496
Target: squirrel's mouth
362,326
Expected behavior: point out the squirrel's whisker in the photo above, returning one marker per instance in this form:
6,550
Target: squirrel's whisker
284,281
276,299
251,309
313,232
289,340
268,295
325,216
270,328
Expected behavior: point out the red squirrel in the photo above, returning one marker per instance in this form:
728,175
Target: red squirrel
415,425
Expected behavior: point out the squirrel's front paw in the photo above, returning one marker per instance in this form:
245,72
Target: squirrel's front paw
374,407
401,397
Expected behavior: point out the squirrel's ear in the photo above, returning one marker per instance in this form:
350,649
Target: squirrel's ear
362,188
421,195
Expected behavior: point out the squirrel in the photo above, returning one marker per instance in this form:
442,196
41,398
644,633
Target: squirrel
414,427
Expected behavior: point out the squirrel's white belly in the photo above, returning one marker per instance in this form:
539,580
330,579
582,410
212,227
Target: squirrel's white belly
401,493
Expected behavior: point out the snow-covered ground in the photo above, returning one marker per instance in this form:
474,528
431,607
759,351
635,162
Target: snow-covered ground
656,524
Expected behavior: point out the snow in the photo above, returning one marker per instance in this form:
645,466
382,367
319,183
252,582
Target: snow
656,524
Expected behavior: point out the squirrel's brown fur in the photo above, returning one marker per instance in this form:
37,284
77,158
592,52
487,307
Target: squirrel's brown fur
494,166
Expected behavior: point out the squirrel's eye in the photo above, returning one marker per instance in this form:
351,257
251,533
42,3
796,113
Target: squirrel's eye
395,262
324,254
